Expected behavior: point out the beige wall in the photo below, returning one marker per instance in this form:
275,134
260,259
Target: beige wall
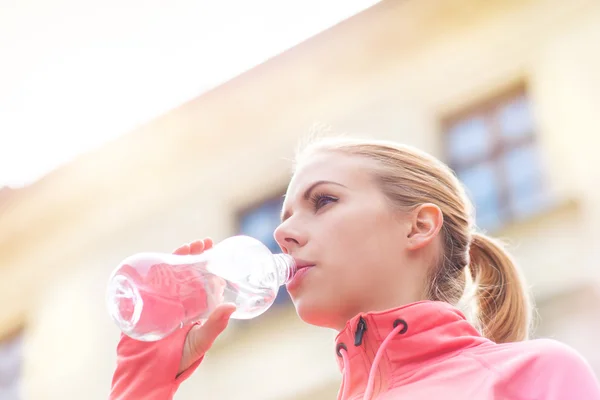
396,71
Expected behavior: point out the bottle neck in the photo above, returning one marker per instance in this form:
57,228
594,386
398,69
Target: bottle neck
286,268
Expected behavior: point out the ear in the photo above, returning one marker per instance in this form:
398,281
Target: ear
426,222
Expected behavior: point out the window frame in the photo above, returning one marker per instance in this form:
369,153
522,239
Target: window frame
489,110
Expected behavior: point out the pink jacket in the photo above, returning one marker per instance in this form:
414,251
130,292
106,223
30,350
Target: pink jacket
424,350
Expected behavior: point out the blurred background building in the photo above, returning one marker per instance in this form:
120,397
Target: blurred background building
507,92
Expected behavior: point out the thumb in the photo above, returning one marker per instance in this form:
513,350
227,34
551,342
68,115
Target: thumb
201,337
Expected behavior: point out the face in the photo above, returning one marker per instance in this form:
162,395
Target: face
356,246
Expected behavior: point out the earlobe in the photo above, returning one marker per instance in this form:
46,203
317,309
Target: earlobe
427,221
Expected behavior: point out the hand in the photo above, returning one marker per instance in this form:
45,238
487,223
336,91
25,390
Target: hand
201,337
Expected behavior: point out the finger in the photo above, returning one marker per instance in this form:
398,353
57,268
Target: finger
183,250
197,247
201,337
208,243
223,311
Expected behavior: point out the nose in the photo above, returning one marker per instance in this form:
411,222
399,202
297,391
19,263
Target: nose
288,237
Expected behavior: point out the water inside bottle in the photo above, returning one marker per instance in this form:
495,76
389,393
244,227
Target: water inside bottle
152,305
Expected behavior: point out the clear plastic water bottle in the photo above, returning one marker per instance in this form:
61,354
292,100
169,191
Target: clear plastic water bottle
150,295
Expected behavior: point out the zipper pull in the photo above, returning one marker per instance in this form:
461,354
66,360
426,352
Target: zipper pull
360,331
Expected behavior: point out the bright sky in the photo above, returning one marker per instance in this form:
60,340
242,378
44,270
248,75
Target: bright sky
66,63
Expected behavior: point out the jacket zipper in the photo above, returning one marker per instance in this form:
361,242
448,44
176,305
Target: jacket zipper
360,331
370,353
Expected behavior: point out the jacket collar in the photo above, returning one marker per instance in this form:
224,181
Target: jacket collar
432,331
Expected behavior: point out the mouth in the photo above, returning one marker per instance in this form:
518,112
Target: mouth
302,264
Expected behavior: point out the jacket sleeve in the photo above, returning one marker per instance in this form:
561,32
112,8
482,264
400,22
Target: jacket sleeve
570,376
148,370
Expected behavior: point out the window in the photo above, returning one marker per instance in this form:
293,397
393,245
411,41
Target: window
260,222
492,149
10,368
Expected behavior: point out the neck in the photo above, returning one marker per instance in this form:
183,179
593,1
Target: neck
384,301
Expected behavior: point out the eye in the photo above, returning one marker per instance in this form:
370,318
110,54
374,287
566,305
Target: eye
320,200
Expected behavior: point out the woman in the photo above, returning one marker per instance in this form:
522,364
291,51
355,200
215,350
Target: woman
388,240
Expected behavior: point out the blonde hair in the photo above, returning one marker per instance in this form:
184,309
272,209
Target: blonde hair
501,308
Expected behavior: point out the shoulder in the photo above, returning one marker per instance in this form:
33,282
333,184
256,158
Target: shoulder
566,372
541,354
543,369
552,357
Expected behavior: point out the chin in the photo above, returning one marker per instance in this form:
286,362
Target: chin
318,312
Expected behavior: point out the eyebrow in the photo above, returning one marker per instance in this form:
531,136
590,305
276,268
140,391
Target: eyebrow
285,215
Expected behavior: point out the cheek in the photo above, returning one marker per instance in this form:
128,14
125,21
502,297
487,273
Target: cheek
363,248
357,235
344,230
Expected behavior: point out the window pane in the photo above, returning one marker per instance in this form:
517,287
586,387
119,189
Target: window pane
522,165
524,175
10,368
515,119
528,200
481,182
469,139
260,223
490,216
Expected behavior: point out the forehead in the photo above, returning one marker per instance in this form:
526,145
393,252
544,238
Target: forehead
349,170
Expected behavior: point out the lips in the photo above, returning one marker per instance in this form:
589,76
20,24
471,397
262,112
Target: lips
302,263
302,267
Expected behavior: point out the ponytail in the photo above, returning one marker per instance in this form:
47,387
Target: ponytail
502,299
